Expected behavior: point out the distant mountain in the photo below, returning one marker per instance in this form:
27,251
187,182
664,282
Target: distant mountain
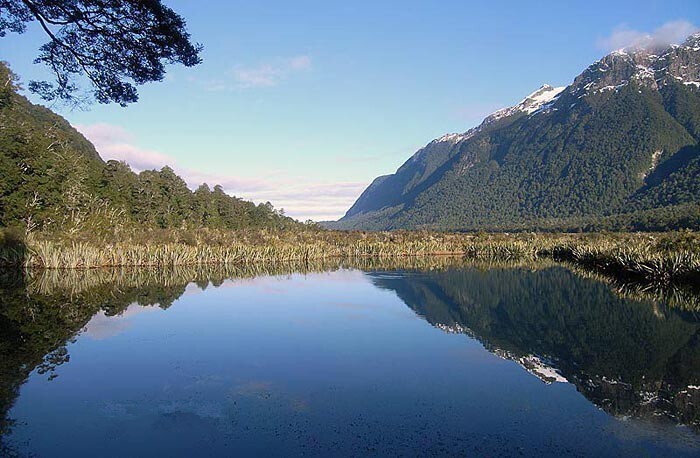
616,149
631,357
53,179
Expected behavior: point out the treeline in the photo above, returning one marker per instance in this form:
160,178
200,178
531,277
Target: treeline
162,199
53,180
671,218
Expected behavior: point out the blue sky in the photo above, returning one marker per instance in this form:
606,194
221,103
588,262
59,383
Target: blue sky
304,103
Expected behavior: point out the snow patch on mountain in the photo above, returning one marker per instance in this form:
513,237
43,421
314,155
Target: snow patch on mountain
539,100
646,67
456,137
651,68
535,365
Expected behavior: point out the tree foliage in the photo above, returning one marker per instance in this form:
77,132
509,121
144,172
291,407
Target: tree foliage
53,179
115,44
626,159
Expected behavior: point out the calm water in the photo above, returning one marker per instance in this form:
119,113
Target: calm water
504,361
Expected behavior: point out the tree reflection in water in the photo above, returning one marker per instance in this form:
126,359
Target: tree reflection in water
631,350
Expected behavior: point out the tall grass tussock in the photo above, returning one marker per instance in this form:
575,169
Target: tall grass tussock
660,258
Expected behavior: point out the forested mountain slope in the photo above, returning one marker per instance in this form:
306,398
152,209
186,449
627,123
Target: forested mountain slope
625,355
616,149
53,179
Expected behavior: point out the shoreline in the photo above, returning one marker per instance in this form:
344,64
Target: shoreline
653,258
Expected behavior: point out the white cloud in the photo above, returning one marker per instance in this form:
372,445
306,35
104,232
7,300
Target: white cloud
270,73
669,33
304,199
102,326
114,142
301,197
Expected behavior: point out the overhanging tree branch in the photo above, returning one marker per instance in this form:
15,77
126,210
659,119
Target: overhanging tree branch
115,44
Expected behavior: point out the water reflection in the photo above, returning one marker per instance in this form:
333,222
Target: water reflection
632,352
632,358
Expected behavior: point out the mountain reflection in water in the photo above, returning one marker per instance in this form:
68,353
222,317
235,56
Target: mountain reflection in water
634,357
628,357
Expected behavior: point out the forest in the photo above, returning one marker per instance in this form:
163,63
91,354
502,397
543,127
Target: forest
614,150
54,181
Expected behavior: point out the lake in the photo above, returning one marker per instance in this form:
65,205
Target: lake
437,358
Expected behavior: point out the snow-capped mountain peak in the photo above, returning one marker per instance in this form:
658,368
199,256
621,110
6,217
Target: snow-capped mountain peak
647,66
534,102
542,98
538,99
650,66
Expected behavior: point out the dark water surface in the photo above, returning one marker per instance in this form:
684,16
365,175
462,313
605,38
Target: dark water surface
460,360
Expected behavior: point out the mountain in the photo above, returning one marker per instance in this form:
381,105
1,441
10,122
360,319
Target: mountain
53,179
631,357
616,149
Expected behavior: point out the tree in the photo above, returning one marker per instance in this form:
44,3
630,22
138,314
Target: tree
115,44
53,180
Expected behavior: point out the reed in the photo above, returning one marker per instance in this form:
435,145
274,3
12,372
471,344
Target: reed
636,262
655,258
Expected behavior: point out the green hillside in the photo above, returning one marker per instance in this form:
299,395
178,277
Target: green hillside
617,149
54,180
616,351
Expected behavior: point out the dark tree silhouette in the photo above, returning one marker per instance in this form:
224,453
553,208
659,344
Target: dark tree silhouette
115,44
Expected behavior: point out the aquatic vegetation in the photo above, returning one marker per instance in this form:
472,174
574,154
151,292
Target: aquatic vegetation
662,259
636,259
555,324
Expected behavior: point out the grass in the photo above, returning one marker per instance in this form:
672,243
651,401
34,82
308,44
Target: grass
659,258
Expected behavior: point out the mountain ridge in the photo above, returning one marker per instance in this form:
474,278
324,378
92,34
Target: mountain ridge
585,152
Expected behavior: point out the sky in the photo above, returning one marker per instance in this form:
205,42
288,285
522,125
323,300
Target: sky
304,103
